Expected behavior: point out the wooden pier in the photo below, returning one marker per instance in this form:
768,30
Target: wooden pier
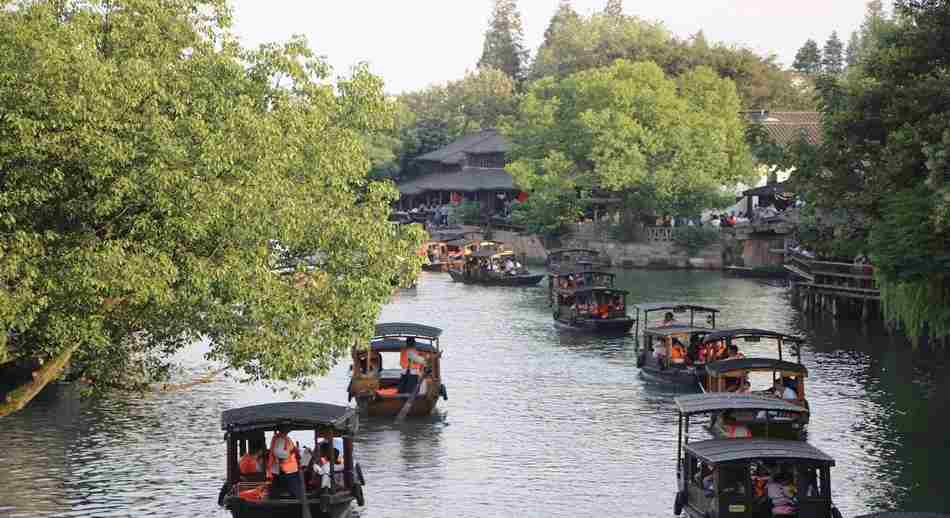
840,289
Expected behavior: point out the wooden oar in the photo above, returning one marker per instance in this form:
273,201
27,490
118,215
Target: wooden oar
408,404
304,504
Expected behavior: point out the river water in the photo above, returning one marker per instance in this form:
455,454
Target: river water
540,421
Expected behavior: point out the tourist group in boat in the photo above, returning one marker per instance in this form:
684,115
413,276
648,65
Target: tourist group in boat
756,463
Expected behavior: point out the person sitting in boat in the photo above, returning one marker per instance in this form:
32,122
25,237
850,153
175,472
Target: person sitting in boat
732,428
617,304
732,352
782,495
782,390
283,464
602,310
677,352
509,266
668,319
251,464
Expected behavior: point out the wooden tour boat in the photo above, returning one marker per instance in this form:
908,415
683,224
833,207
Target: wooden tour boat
573,259
731,477
252,496
486,266
380,382
444,249
669,349
587,300
770,377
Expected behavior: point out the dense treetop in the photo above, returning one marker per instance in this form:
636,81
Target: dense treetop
154,179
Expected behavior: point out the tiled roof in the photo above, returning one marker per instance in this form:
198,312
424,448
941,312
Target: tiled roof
466,180
485,141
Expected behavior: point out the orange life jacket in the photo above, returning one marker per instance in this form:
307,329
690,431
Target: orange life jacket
248,464
677,354
288,465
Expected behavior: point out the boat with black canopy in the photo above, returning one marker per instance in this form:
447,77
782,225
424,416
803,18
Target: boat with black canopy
400,372
586,300
569,259
493,267
771,377
669,349
249,494
748,477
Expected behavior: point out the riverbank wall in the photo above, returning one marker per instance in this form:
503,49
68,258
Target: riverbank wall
649,254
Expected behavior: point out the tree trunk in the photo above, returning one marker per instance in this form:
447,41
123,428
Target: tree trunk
19,396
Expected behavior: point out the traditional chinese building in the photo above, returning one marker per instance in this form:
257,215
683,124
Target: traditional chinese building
471,168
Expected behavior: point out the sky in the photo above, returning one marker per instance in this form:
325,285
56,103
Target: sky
415,43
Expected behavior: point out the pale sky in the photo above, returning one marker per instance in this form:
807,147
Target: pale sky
414,43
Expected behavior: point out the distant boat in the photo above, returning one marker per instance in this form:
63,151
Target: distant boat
586,300
656,358
486,266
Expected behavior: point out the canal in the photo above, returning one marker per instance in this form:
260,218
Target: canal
540,421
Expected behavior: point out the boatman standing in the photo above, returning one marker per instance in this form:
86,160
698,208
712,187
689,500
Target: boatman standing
283,463
413,365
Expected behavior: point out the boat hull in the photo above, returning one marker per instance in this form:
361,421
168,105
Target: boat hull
337,507
688,378
609,325
389,406
507,280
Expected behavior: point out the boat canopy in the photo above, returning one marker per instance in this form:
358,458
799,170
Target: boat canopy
730,334
719,402
298,415
721,367
715,451
392,344
406,329
675,329
676,307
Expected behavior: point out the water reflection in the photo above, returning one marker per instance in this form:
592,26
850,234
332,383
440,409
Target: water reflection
540,421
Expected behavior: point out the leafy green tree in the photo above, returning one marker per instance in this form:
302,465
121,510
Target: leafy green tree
808,58
884,161
558,195
504,41
662,144
832,57
157,178
573,43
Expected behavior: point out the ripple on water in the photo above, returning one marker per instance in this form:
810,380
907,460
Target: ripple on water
541,421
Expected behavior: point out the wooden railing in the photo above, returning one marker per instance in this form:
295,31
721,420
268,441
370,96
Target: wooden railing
847,279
